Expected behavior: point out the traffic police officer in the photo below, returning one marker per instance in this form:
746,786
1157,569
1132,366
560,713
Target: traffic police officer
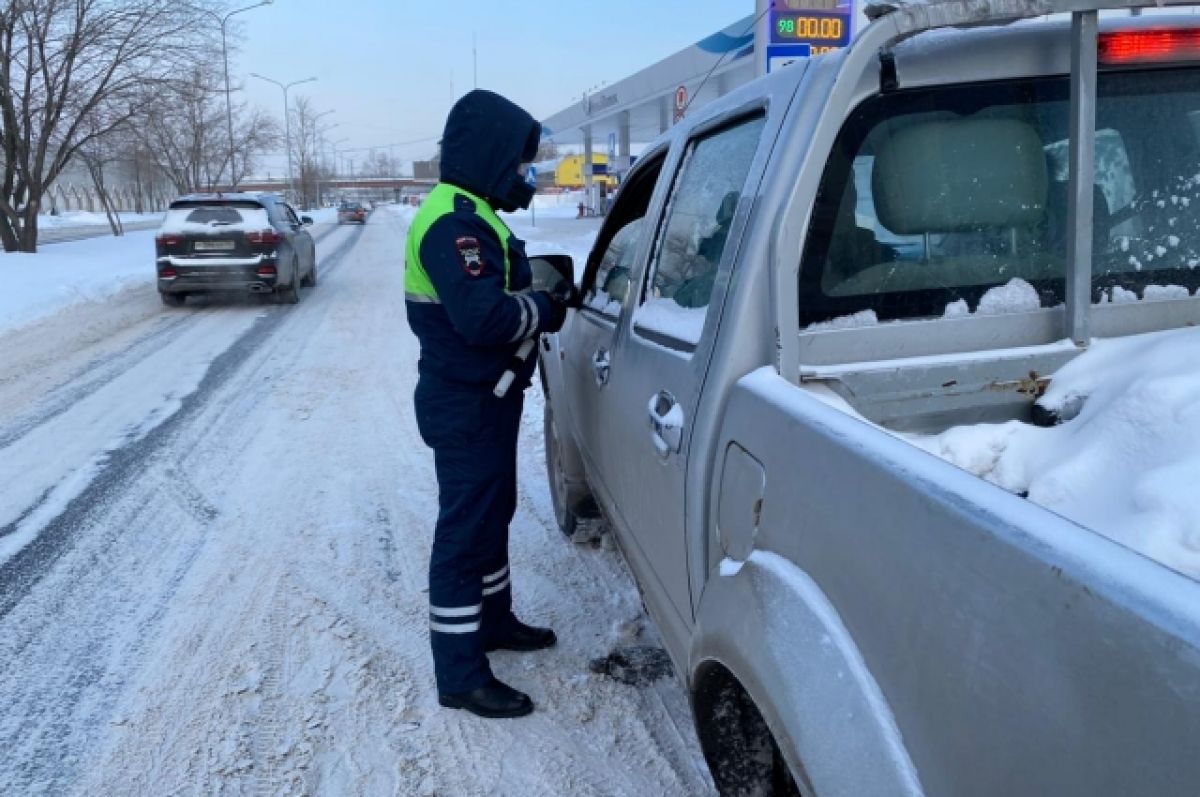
467,284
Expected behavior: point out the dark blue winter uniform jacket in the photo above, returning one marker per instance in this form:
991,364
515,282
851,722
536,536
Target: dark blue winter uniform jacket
467,277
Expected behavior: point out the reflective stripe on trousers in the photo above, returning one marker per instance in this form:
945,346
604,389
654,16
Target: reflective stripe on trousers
474,439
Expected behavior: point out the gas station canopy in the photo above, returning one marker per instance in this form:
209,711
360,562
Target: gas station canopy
643,105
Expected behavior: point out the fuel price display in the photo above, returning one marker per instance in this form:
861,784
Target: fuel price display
823,30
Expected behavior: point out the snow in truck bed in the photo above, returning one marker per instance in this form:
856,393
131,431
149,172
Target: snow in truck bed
1127,466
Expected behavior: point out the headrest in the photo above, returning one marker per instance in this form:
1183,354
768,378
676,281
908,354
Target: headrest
958,175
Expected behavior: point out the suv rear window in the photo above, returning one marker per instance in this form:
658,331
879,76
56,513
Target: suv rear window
935,199
192,216
214,213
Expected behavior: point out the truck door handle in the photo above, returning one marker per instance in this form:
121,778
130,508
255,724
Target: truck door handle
600,363
666,423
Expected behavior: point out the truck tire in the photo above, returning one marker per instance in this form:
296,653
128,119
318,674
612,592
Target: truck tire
742,755
563,515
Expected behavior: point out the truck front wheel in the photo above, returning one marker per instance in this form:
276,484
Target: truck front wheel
563,514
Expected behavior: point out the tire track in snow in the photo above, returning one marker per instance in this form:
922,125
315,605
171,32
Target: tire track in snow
55,710
98,373
330,551
94,376
123,465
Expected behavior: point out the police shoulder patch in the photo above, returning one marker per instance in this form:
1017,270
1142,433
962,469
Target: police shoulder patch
469,254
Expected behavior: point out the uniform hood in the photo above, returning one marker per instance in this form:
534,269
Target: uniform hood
486,139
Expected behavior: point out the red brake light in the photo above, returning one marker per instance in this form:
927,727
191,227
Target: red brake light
168,273
265,237
266,271
168,239
1149,46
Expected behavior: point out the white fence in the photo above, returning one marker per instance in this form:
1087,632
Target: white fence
71,197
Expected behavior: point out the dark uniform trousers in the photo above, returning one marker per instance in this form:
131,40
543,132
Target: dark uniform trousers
473,435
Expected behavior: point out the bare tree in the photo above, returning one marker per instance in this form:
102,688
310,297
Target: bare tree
379,164
184,132
306,143
99,155
255,131
71,71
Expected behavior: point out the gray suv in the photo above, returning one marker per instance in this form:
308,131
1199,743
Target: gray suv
234,242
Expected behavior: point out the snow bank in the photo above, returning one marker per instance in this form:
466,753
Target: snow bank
91,270
1128,466
83,218
38,285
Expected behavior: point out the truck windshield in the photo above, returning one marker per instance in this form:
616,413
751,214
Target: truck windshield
953,200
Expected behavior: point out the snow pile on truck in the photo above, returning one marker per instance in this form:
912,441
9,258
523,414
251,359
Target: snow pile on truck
1126,463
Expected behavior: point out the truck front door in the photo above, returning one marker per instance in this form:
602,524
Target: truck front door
660,357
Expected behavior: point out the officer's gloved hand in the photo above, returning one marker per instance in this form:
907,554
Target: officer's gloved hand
558,311
569,295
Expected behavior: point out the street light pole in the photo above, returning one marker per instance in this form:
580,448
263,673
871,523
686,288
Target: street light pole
337,166
287,120
228,101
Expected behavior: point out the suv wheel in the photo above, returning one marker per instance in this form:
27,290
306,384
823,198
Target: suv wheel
567,519
290,294
173,299
310,279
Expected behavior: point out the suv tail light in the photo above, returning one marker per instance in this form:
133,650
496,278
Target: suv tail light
168,239
264,238
167,273
266,271
1149,46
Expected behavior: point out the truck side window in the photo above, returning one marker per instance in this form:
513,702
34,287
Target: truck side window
692,240
953,200
611,284
606,277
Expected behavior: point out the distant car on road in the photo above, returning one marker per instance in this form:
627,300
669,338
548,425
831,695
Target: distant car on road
234,242
352,211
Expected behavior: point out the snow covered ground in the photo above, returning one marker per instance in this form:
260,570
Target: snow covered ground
74,272
83,218
214,533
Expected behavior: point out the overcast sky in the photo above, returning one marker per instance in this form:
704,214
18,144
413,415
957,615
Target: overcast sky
390,69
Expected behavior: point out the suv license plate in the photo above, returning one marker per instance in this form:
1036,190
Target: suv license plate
213,246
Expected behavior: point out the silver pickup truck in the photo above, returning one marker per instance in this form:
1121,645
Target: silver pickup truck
796,278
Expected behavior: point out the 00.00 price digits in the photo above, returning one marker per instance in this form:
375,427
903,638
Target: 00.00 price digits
810,27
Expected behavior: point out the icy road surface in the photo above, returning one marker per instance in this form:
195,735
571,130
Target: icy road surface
214,533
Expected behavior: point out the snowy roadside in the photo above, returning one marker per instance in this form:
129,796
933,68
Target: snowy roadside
93,270
84,218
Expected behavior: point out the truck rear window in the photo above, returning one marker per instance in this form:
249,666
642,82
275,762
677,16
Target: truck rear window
953,200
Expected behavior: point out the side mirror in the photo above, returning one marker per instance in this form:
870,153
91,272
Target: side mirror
306,220
553,273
